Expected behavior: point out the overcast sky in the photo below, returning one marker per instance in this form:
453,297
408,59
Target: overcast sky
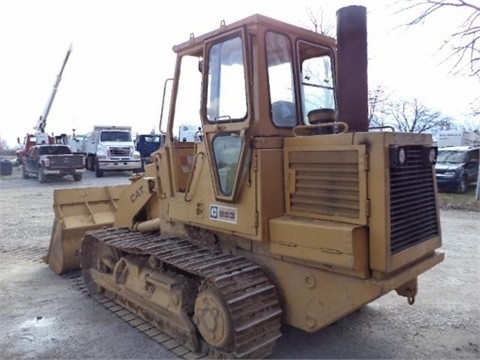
122,53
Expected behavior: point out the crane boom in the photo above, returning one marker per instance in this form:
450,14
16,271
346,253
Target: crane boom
42,120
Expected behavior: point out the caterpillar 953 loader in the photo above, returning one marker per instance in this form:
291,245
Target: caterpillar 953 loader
284,210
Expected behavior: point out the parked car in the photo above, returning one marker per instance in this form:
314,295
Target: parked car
49,161
457,167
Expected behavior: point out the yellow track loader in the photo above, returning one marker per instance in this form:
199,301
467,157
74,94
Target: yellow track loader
282,209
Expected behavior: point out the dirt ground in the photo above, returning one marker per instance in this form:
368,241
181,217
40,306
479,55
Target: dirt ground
43,315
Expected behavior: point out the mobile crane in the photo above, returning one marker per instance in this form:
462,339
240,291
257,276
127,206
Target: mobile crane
40,137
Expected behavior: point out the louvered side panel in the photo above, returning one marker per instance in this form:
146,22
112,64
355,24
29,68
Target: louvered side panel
328,184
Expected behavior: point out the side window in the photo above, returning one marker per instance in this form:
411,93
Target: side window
188,98
226,93
280,79
226,150
317,86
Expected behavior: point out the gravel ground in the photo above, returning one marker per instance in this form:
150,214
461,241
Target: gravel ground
47,316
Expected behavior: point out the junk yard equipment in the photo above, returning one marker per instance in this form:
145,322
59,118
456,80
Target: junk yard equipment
40,137
281,214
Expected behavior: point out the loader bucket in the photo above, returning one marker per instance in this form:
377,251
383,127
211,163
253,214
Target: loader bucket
76,212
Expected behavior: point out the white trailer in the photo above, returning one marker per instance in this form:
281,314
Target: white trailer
457,138
111,148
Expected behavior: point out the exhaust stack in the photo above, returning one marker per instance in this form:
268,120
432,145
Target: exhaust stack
352,62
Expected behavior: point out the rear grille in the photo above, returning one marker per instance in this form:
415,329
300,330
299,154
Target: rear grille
326,183
412,203
119,152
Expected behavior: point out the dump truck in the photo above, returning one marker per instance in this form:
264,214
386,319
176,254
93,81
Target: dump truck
286,210
111,148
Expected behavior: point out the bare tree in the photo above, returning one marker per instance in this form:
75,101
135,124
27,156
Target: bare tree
465,41
475,109
413,116
471,125
318,22
377,98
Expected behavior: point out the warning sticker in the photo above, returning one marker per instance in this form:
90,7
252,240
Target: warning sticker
223,213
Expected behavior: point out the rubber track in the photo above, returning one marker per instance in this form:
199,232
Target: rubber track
251,298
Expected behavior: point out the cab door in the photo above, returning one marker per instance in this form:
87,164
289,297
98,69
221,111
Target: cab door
30,160
227,111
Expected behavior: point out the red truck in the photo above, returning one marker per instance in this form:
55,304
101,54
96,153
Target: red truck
52,161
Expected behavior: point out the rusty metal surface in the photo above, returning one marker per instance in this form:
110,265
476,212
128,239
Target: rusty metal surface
352,62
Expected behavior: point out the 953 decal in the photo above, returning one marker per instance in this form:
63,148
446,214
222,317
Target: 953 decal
223,213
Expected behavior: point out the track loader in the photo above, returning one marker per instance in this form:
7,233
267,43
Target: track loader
285,209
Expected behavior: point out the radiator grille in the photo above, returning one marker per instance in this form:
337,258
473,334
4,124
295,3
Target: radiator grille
326,183
119,152
412,203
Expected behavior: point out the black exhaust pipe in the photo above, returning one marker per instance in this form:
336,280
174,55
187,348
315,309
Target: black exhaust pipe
352,62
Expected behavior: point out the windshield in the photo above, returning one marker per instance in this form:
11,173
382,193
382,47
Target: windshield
451,156
151,138
115,136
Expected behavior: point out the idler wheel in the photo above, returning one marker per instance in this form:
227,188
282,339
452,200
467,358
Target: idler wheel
213,319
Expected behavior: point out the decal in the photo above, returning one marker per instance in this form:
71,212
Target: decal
136,195
223,213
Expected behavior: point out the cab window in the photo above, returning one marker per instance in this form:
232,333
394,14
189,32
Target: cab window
188,99
226,150
226,93
316,77
280,79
